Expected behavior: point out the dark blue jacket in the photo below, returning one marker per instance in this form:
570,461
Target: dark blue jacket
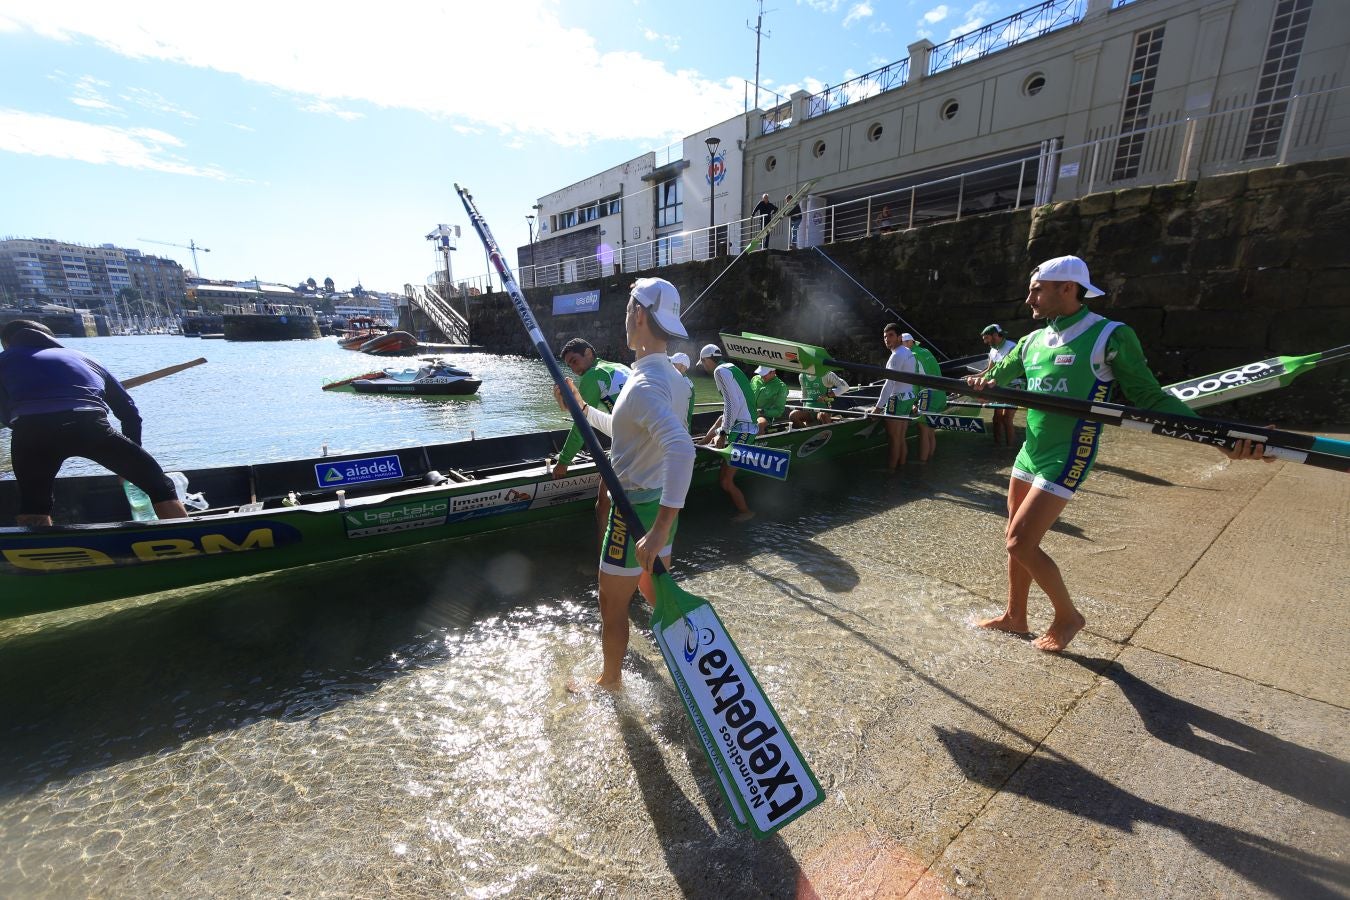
38,375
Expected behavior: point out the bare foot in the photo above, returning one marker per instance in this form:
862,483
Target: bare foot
577,686
1006,623
1058,635
743,516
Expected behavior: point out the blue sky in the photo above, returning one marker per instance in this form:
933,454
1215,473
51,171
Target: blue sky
298,139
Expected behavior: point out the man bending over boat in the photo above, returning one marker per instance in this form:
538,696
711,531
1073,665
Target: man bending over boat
653,457
57,401
1077,354
599,383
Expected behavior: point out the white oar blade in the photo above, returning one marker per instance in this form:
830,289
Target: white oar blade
767,773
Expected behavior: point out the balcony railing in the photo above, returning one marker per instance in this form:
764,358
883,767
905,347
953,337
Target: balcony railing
1034,22
888,77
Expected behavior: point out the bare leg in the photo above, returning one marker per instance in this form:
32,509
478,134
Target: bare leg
32,520
616,591
1031,515
899,450
927,442
728,481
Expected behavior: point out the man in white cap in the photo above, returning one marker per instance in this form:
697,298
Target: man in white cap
897,397
1000,346
653,457
736,425
681,363
770,397
1082,355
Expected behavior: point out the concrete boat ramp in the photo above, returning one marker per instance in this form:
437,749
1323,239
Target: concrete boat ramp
1194,743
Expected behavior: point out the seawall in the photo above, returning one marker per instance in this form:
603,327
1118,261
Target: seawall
1210,273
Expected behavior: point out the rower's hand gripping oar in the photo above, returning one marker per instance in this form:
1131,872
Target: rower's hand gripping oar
1292,446
766,781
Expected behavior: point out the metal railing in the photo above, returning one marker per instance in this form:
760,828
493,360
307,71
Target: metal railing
888,77
1030,23
1176,148
445,317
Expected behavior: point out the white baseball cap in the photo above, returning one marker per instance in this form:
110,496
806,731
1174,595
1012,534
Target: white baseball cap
1066,268
680,359
709,350
906,337
662,300
764,370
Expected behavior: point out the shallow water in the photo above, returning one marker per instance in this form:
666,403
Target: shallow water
399,724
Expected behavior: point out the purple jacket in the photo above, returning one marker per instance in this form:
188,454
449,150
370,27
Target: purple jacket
38,375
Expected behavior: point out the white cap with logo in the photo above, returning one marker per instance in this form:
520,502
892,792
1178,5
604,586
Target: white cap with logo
1066,268
709,350
680,359
906,337
662,300
764,370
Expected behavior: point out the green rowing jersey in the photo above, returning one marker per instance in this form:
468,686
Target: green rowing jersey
770,396
599,386
689,416
1082,356
930,399
815,387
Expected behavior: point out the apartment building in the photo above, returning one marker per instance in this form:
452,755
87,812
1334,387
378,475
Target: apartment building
79,276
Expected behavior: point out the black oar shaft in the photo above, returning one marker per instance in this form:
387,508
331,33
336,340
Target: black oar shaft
1211,431
592,443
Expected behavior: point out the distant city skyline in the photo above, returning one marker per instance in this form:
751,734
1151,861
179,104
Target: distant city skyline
295,142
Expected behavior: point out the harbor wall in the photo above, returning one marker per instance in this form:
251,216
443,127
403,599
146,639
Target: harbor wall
1210,273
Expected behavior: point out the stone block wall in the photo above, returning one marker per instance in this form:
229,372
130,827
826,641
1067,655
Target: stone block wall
1210,273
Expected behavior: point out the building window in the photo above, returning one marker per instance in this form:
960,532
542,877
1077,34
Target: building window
1034,84
770,163
818,149
1138,99
669,203
1276,83
671,250
950,109
874,132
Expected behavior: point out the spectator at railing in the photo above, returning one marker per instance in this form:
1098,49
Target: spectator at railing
885,221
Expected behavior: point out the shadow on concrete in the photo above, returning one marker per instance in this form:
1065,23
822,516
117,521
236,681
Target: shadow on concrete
1062,784
1133,475
1308,776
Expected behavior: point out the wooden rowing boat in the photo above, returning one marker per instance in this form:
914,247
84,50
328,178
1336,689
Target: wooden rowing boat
343,506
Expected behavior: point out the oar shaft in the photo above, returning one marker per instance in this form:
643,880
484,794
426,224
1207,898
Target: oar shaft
1312,450
138,380
592,443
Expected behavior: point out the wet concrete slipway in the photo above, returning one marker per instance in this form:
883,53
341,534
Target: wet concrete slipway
398,726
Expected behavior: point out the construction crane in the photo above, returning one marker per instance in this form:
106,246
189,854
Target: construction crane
190,245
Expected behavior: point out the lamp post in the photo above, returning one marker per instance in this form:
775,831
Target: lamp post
713,144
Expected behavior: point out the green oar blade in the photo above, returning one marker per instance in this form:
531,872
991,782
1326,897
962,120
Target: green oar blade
1251,378
766,772
775,353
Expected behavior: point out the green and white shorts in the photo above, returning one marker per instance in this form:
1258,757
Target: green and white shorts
618,552
900,405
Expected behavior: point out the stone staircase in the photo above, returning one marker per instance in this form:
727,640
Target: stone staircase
831,310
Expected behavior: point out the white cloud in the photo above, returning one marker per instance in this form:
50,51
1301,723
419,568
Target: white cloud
241,127
670,41
879,28
88,94
325,108
512,66
976,16
8,25
136,148
936,14
154,101
857,13
825,6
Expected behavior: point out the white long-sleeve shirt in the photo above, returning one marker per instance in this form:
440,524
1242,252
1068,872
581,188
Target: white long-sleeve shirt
651,448
902,360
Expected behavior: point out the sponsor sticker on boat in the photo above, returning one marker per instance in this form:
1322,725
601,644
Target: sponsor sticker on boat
565,490
814,443
37,555
368,522
491,503
357,471
973,424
